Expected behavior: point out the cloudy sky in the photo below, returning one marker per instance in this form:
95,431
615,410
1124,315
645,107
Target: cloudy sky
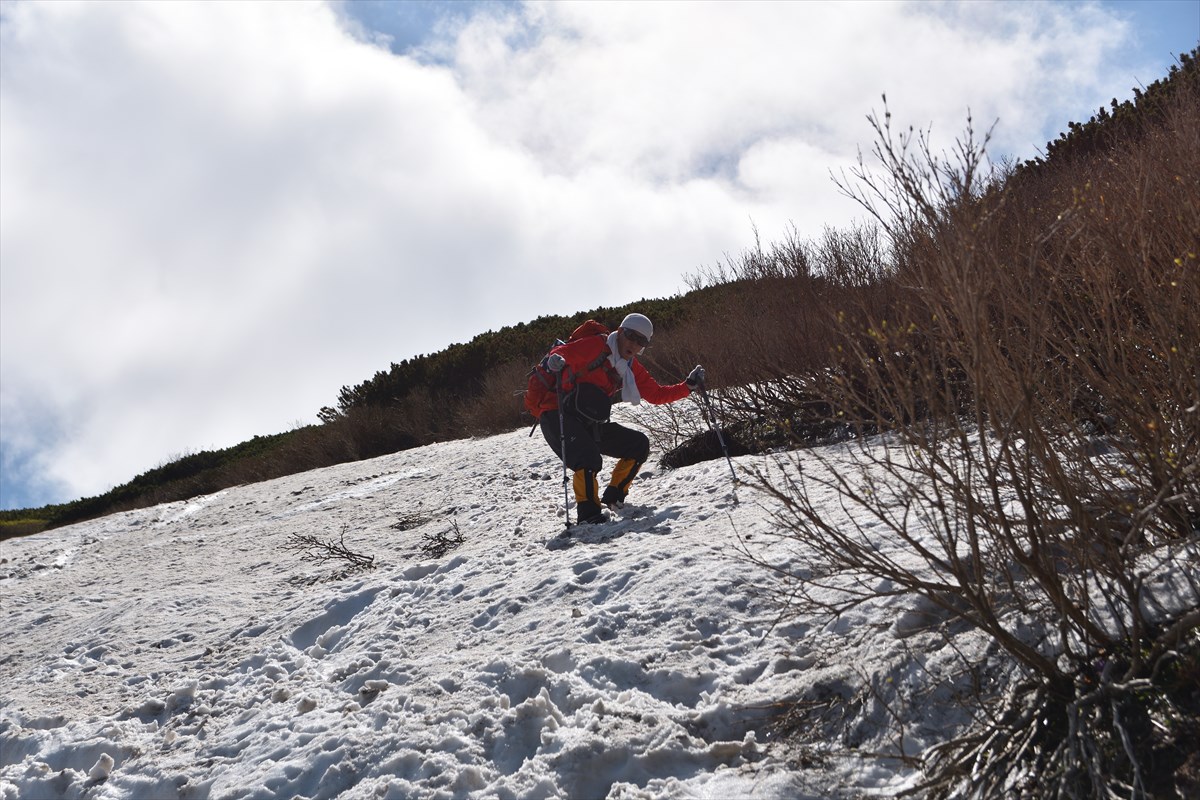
214,215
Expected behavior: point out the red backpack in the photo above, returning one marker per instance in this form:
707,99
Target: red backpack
540,394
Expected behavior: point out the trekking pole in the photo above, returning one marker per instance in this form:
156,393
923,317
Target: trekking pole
562,439
711,417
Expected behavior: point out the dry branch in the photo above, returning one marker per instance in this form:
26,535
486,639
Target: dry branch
325,550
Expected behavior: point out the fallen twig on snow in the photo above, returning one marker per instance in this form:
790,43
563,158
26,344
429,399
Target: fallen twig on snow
322,550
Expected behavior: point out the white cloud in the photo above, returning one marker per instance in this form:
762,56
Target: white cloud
212,216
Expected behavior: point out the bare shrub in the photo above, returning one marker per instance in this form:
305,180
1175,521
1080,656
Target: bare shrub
774,317
499,406
771,337
326,550
436,544
1036,375
412,519
669,425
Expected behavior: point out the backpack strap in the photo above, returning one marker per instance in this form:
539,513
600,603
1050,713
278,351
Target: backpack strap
602,361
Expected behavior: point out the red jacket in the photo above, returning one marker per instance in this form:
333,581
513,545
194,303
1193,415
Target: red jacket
588,362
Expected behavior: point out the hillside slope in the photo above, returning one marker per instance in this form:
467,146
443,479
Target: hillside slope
180,652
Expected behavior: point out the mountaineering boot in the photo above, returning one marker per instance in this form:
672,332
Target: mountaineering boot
590,514
613,497
622,476
587,506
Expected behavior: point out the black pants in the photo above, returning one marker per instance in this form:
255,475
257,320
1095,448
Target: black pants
587,443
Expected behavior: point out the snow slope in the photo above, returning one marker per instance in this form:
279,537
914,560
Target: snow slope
181,652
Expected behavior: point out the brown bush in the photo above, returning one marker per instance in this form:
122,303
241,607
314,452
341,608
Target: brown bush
500,405
1036,365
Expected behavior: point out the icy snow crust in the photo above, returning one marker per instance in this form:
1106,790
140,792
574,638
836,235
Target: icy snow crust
178,652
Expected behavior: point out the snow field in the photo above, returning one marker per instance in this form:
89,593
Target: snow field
178,652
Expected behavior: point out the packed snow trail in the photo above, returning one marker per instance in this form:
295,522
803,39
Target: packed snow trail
179,652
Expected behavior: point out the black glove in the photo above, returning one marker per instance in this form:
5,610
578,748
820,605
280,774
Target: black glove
695,377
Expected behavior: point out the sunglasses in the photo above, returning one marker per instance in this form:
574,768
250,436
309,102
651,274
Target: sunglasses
635,337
